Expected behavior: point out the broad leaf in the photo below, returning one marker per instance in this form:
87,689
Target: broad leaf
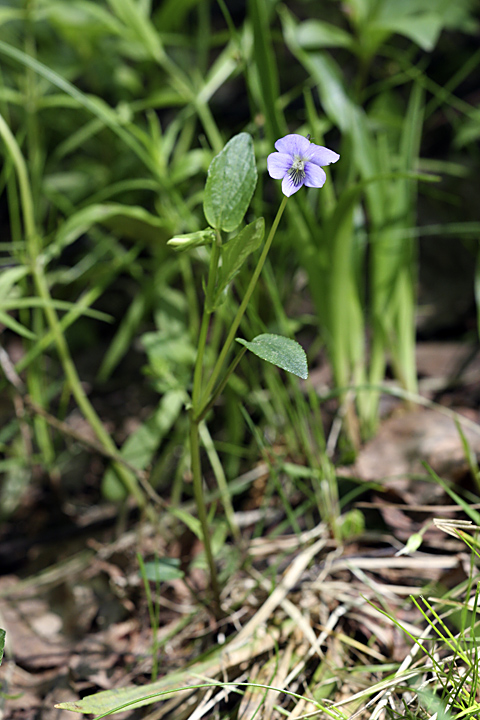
231,181
280,351
235,252
423,28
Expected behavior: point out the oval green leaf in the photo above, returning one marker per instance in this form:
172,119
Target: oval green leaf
231,181
280,351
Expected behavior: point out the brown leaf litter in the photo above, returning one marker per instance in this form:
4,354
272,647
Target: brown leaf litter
307,613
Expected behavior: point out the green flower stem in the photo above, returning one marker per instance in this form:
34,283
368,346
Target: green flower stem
194,423
202,512
202,340
33,249
220,387
241,310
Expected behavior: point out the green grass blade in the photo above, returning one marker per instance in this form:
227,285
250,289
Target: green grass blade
265,66
94,105
16,327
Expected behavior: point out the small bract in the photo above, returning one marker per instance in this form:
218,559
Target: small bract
299,162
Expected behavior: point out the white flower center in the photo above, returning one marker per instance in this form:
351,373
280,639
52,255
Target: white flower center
297,171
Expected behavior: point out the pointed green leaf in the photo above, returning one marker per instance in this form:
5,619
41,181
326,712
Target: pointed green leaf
131,220
234,254
17,327
10,277
280,351
163,569
314,34
231,181
191,522
423,28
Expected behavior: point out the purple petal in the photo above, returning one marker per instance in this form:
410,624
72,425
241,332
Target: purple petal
322,155
278,165
289,187
293,145
314,175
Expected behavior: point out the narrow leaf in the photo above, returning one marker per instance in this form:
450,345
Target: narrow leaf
11,323
140,25
133,218
140,447
265,68
163,569
231,181
191,522
93,104
10,277
315,34
280,351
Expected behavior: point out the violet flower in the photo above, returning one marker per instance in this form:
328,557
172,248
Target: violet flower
299,162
